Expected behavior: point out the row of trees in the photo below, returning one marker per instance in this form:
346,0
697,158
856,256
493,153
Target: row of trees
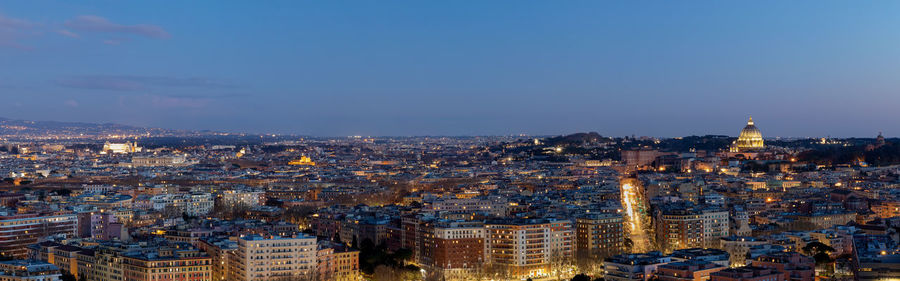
888,154
378,262
583,277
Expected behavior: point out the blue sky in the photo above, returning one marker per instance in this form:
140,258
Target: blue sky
334,68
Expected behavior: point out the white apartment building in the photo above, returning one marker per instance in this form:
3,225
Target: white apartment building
195,204
233,197
273,258
715,225
489,206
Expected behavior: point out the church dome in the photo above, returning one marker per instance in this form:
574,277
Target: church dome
750,138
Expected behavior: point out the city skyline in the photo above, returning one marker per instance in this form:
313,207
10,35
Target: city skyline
97,129
399,140
413,68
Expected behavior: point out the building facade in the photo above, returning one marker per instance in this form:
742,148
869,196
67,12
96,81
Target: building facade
19,231
599,235
273,257
168,263
336,262
523,247
454,249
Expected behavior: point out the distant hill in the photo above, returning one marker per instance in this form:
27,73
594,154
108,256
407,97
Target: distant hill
576,139
12,128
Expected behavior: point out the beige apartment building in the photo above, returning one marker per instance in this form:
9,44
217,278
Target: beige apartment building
273,257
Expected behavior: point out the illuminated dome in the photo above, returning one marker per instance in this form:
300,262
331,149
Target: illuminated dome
749,139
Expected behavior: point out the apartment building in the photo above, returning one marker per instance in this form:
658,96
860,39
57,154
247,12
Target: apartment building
28,270
219,250
273,257
689,270
179,262
682,226
599,235
20,230
633,267
746,273
336,262
453,249
529,247
738,247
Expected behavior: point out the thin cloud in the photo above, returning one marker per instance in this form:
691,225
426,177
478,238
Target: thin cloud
110,83
68,33
212,95
132,83
7,23
14,30
11,29
91,23
177,102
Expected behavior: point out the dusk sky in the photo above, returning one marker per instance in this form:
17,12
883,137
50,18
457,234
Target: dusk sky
336,68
